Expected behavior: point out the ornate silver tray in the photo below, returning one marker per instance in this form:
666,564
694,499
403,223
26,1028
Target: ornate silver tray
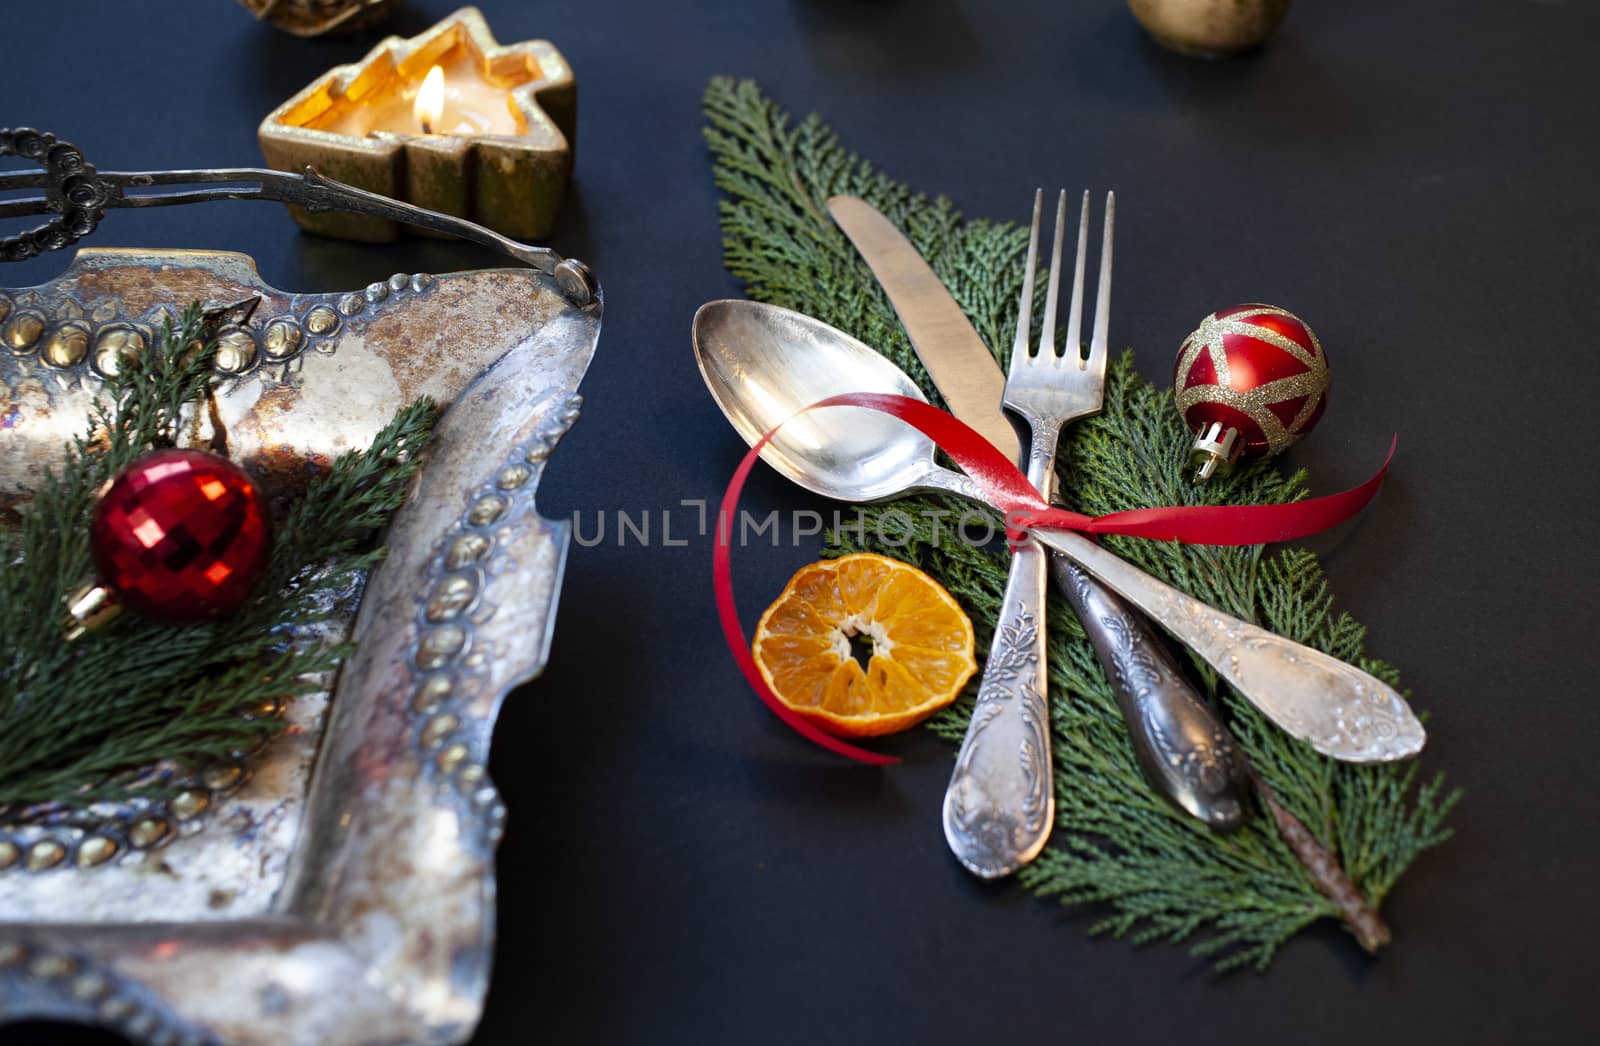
338,885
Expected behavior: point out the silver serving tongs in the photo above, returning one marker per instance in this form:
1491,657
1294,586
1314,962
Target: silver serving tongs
78,196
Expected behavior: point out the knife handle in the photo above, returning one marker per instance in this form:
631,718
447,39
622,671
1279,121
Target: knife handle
1185,750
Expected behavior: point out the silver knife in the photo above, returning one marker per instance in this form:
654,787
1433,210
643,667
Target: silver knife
961,367
1185,751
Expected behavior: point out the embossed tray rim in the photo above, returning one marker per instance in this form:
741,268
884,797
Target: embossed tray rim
314,968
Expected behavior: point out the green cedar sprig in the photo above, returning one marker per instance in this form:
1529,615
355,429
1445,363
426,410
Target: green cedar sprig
81,722
1152,871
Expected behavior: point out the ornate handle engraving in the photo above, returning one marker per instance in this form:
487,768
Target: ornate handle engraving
1186,752
72,193
1340,710
1000,804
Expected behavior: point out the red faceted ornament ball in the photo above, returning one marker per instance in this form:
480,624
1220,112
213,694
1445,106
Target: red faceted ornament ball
1249,382
180,535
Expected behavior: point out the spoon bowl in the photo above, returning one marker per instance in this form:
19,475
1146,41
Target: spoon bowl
763,363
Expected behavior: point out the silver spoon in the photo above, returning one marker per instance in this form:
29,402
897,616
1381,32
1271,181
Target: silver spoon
763,364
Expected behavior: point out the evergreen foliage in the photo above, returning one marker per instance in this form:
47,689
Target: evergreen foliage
1151,870
85,721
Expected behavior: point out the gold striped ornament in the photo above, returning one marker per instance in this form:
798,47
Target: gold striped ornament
1249,382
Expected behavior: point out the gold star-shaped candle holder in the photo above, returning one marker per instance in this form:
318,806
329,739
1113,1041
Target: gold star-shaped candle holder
494,145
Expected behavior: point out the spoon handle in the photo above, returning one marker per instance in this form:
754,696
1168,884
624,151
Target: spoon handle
1340,710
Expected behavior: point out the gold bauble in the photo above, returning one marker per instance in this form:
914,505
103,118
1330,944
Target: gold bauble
1209,28
315,17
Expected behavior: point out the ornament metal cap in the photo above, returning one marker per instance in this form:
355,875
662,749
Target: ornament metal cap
89,607
1215,449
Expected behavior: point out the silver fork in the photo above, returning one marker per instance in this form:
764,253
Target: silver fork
1000,805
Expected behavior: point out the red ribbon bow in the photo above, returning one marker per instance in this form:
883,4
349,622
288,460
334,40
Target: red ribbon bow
1008,490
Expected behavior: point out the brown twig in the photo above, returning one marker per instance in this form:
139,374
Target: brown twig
1361,918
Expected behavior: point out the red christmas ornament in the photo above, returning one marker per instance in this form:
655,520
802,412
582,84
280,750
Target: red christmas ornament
179,535
1250,381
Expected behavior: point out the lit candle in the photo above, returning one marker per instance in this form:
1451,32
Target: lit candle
428,110
453,98
448,120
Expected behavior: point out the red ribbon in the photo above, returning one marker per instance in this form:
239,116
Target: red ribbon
1008,490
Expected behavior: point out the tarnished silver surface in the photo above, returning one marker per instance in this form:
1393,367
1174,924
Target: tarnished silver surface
336,887
77,195
762,364
1186,752
1184,749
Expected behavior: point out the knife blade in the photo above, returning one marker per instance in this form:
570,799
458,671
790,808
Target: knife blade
1184,749
961,367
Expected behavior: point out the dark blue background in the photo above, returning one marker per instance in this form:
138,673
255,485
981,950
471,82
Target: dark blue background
1416,180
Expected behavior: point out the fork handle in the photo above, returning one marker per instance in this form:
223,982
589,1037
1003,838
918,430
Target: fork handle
1186,752
1001,804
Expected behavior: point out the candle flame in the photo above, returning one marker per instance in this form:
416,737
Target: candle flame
429,106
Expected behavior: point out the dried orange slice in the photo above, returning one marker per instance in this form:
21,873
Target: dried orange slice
921,645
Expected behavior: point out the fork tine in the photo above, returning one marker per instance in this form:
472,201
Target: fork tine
1074,346
1019,348
1102,305
1047,329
